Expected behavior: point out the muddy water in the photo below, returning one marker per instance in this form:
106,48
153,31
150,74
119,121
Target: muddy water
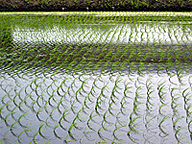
55,87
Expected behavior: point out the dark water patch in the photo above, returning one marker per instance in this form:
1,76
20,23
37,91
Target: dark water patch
62,54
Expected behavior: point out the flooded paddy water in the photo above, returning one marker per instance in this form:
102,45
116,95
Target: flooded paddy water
95,79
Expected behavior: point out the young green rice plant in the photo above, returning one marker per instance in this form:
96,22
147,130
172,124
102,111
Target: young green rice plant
176,121
106,127
174,103
105,116
140,68
95,84
177,134
136,105
117,136
63,117
189,127
100,135
132,126
161,94
91,116
20,134
51,115
186,95
91,93
149,96
148,120
98,105
71,135
55,133
76,119
79,92
123,102
187,105
110,108
116,86
73,107
161,126
34,137
6,117
38,115
127,89
2,108
70,88
60,104
188,111
85,104
18,121
40,131
104,88
113,96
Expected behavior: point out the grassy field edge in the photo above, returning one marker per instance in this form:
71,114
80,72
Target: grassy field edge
104,13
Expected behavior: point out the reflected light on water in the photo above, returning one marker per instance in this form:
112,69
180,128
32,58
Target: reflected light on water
145,33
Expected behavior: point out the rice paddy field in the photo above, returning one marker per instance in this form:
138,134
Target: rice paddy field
96,77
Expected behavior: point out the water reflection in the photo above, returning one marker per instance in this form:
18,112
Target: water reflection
113,33
115,102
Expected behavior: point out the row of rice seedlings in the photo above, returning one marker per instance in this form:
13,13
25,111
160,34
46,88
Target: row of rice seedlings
101,49
37,102
75,49
104,14
105,130
177,119
124,37
36,137
107,123
187,105
136,114
150,118
120,124
84,49
186,93
7,119
77,118
149,86
36,57
162,93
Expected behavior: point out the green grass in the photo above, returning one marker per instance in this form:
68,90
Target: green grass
104,13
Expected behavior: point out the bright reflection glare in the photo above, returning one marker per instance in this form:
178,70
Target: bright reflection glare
122,34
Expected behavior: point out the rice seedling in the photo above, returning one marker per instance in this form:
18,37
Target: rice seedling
160,126
18,121
149,103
